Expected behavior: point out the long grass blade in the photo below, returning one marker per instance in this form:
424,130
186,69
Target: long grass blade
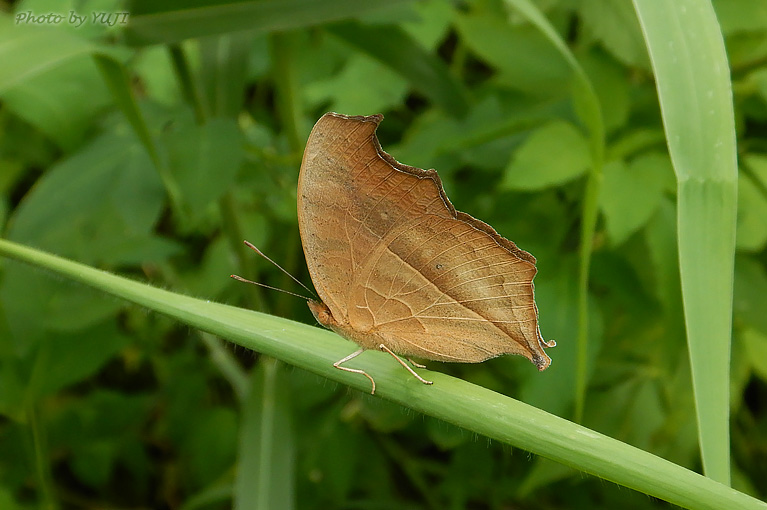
155,22
693,82
459,402
265,473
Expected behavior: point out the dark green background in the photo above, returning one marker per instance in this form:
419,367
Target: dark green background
110,406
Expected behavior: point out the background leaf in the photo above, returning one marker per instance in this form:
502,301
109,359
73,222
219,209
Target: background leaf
631,193
152,147
553,155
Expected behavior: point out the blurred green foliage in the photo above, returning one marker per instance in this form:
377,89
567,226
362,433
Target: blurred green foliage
104,405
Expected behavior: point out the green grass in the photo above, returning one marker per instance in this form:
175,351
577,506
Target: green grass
266,448
695,94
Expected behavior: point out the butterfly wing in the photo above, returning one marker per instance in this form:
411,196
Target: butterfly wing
441,289
331,207
395,263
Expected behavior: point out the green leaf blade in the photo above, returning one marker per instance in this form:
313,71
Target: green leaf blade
153,23
453,400
692,78
266,465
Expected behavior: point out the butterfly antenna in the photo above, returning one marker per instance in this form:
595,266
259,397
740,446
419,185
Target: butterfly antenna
253,247
241,279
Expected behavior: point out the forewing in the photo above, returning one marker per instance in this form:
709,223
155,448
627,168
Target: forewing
351,195
328,205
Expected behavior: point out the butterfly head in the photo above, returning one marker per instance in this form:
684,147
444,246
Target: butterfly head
322,313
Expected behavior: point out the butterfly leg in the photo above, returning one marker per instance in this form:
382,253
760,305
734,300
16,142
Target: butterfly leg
416,365
401,362
337,364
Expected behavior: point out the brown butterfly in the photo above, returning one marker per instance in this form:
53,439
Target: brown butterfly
397,268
